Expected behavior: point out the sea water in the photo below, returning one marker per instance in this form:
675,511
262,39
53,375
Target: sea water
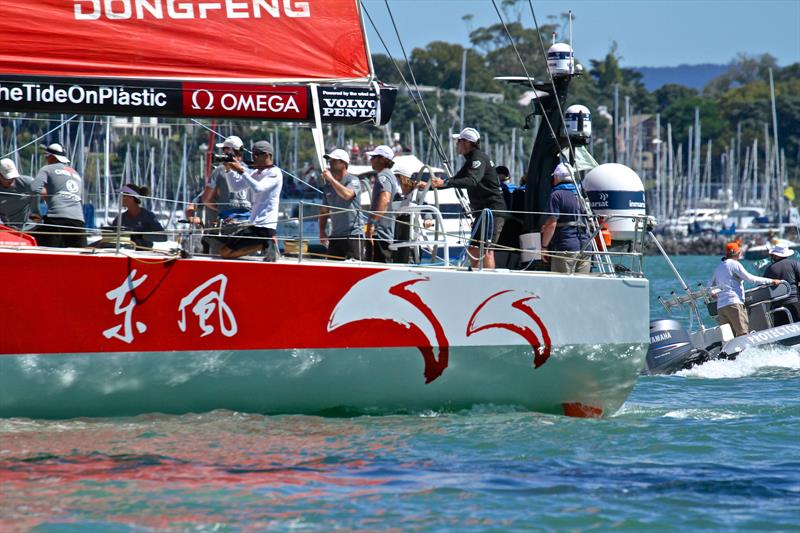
714,448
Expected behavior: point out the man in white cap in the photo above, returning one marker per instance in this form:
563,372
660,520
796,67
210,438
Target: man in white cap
17,199
342,192
62,187
564,231
784,267
479,177
266,182
380,226
218,197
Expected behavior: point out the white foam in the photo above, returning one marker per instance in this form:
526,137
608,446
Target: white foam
747,363
703,414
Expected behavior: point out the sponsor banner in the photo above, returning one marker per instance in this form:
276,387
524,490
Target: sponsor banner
89,97
356,104
254,41
617,199
245,101
108,96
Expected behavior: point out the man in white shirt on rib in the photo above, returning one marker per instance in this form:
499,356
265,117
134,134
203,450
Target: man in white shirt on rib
730,276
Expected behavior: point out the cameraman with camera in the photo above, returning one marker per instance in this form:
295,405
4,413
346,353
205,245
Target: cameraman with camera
217,195
266,181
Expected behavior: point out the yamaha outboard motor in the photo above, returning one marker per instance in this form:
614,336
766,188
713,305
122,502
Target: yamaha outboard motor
671,348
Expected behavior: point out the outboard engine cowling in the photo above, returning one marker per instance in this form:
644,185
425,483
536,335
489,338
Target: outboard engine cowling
671,348
615,191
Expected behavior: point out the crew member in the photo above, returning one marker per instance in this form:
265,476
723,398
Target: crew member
17,199
730,276
403,221
380,226
342,191
218,197
265,180
504,175
564,230
478,176
142,223
62,187
784,267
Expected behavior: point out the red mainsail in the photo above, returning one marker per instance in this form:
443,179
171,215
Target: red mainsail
189,40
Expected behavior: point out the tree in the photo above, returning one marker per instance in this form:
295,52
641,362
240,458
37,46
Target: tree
607,73
439,64
671,93
743,70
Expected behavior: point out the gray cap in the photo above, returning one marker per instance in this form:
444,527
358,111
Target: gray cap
262,147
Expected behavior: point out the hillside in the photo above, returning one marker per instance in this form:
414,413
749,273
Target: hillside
694,76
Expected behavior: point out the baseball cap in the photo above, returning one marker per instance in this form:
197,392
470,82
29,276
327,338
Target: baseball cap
402,170
501,169
8,169
468,134
563,172
57,151
383,151
231,142
781,251
733,247
339,154
262,147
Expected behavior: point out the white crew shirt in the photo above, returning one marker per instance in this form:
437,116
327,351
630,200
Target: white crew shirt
729,276
266,185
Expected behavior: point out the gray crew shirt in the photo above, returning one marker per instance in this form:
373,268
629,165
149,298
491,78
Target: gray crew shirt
384,182
64,191
344,223
18,202
228,198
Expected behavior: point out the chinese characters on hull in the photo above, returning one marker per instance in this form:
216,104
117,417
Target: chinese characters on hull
206,302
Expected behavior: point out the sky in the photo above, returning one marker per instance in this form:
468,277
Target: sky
649,33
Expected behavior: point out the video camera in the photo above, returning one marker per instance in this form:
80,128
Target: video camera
222,158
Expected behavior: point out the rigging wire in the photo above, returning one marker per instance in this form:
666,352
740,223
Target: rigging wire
435,138
222,136
415,95
528,76
552,82
42,136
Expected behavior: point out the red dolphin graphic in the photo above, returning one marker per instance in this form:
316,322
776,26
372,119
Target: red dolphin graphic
370,299
540,349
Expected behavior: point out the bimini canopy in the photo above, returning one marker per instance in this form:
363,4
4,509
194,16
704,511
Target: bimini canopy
224,58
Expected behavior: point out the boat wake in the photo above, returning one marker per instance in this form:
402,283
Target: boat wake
750,362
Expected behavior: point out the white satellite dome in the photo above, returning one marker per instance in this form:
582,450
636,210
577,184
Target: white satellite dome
617,193
560,60
578,120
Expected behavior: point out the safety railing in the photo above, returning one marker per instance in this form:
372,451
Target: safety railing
623,257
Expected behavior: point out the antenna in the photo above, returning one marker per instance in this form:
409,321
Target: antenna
570,32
